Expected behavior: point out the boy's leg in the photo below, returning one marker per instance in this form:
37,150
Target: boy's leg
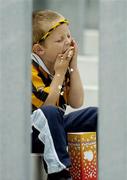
49,123
84,120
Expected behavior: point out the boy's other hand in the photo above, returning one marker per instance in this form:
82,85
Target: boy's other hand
73,62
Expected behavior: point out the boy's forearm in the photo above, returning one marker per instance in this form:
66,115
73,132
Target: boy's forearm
55,88
60,68
76,93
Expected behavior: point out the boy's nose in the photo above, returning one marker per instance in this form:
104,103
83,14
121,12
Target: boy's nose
68,41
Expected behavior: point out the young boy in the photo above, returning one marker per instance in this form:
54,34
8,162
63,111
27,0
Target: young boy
56,83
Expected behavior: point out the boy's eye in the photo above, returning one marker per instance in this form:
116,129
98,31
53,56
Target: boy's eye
59,40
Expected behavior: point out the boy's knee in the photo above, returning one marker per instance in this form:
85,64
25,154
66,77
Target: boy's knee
52,112
92,114
93,111
49,109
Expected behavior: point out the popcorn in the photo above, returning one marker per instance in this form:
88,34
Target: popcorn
60,87
70,54
62,93
71,70
83,155
58,75
61,59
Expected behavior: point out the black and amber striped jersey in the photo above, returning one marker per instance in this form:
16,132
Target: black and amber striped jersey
41,81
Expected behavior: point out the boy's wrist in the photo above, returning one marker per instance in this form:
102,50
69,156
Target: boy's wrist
73,65
60,73
73,68
73,71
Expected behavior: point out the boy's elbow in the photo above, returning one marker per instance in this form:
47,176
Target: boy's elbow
77,104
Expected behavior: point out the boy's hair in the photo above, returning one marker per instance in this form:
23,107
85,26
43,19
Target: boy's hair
42,22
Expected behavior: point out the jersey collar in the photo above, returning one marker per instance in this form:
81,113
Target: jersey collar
40,62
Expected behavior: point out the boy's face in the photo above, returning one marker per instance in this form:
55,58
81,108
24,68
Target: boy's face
57,43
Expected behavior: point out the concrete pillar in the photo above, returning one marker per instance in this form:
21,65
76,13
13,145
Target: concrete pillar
113,90
39,4
15,91
37,167
91,14
71,9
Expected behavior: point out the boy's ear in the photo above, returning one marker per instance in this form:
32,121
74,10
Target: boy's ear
38,49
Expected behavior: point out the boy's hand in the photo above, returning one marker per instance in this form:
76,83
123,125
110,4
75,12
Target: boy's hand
63,60
73,62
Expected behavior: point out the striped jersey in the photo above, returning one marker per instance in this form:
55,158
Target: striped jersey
41,80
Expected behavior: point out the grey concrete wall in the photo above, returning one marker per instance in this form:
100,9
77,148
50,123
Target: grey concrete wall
113,90
39,4
92,14
37,168
15,49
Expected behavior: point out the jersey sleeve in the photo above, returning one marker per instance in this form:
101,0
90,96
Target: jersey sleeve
39,90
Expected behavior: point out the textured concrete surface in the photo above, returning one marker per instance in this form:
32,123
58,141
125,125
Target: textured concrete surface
113,90
15,48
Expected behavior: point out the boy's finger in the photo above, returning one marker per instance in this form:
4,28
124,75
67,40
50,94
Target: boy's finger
69,53
60,56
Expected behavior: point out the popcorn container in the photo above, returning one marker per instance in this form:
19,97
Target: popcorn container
83,154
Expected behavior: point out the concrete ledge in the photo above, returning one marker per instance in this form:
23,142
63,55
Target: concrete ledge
37,167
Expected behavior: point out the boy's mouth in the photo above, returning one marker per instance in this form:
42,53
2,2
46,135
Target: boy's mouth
65,50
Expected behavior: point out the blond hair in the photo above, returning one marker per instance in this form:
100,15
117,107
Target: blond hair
42,22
